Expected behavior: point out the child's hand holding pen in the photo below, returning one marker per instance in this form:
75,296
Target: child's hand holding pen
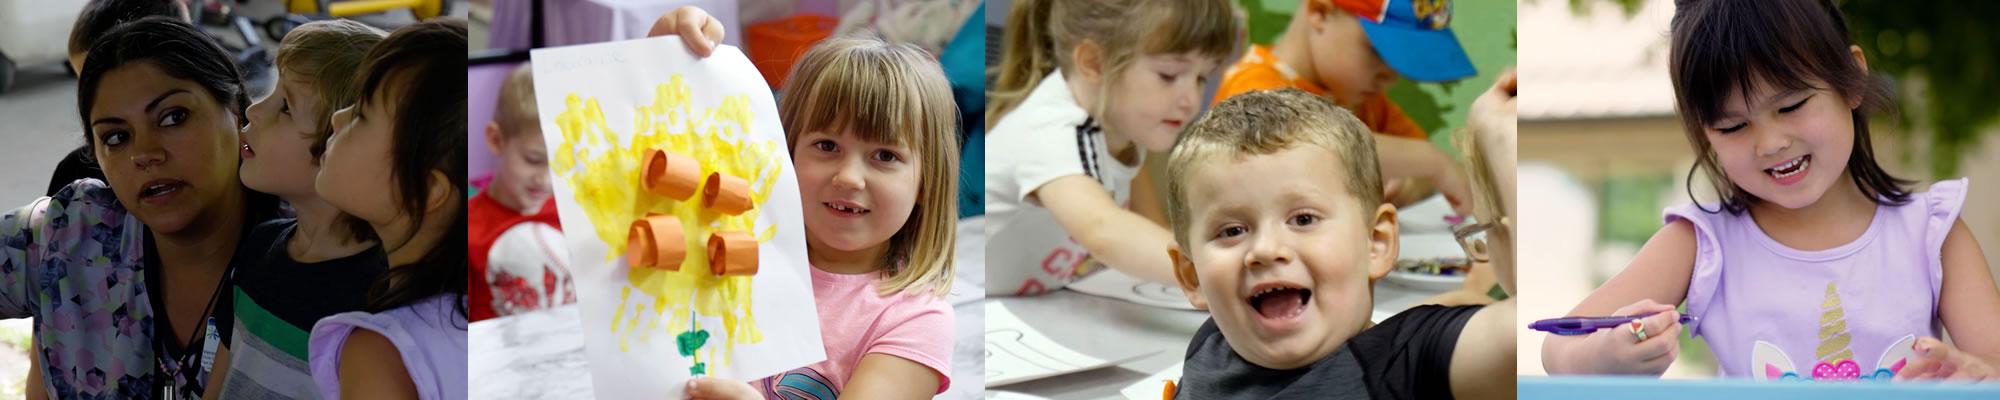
1644,346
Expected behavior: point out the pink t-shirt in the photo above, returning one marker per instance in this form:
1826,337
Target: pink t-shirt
854,321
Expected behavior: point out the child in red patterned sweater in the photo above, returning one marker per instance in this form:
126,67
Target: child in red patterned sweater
518,261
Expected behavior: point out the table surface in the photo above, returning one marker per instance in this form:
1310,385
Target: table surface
534,355
1629,388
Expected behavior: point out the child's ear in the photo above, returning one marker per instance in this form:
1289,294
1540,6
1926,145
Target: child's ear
1860,61
1382,242
493,137
1316,13
441,193
1184,272
1089,59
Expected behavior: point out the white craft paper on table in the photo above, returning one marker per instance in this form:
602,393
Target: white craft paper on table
1016,352
1006,395
601,106
1117,285
1154,387
535,355
1425,216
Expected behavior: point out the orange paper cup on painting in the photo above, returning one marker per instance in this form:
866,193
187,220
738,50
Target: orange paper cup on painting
655,242
670,174
726,194
732,253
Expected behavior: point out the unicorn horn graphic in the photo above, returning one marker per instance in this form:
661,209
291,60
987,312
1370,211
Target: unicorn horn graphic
1835,359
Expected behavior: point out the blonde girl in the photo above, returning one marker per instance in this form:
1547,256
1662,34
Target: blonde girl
872,130
1084,88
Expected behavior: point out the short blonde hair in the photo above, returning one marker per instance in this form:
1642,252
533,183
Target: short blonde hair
517,112
1265,122
888,93
1040,34
328,54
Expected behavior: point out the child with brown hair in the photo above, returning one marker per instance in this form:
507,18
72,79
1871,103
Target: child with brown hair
303,268
406,129
1086,87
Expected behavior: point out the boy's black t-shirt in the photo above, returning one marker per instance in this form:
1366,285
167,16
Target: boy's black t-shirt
1407,356
300,294
277,300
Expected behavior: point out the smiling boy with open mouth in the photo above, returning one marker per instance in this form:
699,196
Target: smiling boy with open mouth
1276,197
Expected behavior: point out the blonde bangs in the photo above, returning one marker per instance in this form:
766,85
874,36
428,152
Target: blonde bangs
1206,28
1041,34
877,91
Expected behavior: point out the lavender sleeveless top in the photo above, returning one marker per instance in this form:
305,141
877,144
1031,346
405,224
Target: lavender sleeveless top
1771,312
429,334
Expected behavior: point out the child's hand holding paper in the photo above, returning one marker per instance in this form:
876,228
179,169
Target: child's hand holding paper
709,388
700,31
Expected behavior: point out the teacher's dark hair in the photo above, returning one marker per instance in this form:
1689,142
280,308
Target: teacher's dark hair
420,71
99,16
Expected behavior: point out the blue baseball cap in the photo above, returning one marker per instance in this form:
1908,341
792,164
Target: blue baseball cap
1413,36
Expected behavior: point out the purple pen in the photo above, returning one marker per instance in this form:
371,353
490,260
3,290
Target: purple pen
1572,326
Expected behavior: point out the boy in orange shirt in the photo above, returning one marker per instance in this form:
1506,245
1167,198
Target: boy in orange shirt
1351,51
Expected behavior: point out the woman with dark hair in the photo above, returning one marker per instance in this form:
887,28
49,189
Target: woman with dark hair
406,128
124,275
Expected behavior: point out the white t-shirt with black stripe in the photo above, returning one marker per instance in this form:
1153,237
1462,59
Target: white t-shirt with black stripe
1048,136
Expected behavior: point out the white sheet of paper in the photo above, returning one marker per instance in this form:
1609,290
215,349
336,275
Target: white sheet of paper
616,100
1006,395
1425,216
1153,387
1117,285
535,355
1017,352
